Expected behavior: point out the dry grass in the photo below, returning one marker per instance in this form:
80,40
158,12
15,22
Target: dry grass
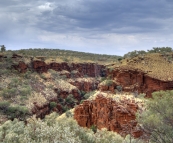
63,116
65,86
117,97
49,94
64,72
54,59
47,75
72,60
88,79
106,83
155,65
36,97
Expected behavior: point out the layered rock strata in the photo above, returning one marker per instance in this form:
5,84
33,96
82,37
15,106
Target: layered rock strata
21,67
89,69
139,82
107,113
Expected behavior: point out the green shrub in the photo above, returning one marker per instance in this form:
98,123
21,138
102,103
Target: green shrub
4,104
119,59
119,88
81,101
68,114
27,74
14,83
87,95
82,93
70,99
94,128
157,119
24,91
8,93
4,72
53,104
109,82
65,108
103,78
43,76
51,130
17,112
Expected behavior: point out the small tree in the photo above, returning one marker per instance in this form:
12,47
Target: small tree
3,48
157,119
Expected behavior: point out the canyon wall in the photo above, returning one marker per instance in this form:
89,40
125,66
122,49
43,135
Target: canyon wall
89,69
107,113
138,81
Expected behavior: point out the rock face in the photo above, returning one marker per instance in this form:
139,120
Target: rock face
2,56
21,67
89,69
16,56
41,111
106,113
139,82
86,86
110,88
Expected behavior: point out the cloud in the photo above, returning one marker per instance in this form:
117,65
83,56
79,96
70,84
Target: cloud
105,26
46,7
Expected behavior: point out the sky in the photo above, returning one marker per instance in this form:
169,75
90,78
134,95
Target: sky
97,26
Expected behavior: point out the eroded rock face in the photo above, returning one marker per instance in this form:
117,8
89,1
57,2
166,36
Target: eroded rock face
106,113
40,66
111,88
21,67
16,56
139,82
2,56
89,69
41,111
86,86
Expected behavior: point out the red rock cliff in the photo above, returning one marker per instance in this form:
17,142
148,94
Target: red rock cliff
21,67
89,69
138,81
107,113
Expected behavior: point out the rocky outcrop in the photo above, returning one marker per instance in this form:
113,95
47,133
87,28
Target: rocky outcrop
108,87
85,85
139,82
14,56
40,111
107,113
2,56
39,66
85,69
21,67
64,94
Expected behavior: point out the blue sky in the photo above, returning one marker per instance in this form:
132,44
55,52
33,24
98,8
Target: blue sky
98,26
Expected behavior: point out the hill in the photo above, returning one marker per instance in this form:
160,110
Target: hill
41,81
58,55
156,65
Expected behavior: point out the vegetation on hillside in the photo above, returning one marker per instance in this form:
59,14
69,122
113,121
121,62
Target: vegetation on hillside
19,91
56,129
161,50
157,63
3,48
157,119
58,55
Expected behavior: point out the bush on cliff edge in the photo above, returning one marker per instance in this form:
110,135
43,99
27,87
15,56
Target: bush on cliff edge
157,119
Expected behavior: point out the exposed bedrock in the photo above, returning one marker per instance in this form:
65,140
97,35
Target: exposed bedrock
138,81
89,69
107,113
